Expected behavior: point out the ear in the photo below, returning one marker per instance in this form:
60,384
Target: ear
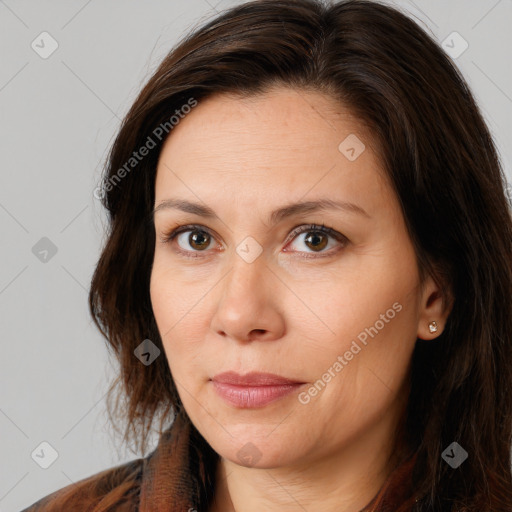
434,306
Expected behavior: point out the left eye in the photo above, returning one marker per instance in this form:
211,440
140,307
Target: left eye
317,237
200,238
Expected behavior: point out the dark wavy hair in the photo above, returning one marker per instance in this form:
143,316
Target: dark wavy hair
444,168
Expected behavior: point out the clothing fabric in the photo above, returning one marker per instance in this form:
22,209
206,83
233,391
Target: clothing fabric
176,476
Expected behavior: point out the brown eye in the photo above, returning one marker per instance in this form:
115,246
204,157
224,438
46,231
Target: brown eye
317,240
197,239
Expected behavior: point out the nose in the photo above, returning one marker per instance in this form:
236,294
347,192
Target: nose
248,307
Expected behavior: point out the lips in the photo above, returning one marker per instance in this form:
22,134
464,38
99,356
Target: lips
254,389
253,379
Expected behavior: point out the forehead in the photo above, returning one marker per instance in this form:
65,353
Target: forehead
282,141
280,118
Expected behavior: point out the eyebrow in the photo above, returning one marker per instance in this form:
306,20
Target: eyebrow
275,217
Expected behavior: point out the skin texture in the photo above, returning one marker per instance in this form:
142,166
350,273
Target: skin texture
284,313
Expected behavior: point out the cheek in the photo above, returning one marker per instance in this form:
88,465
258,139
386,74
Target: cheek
361,369
371,323
161,302
170,299
176,319
177,289
386,335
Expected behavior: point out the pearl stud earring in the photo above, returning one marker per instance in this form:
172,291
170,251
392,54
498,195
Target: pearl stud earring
432,326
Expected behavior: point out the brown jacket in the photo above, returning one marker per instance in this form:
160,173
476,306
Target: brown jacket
172,479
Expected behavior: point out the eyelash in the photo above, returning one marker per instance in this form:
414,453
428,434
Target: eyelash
171,235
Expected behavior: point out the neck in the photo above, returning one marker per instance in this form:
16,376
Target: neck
344,480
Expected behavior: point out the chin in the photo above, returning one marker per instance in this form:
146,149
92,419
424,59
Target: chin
255,448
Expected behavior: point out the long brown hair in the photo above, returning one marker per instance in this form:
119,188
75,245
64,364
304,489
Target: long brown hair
445,170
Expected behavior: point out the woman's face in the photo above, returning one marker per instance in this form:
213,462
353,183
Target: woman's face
337,312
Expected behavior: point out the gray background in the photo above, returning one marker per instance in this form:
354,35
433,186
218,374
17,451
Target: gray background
58,117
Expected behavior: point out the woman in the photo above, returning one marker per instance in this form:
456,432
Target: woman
308,267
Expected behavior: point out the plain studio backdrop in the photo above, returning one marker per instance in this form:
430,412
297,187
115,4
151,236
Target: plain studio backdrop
69,72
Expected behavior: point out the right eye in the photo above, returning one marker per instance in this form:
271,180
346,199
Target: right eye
200,239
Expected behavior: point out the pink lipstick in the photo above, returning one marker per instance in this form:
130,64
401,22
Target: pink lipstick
254,389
